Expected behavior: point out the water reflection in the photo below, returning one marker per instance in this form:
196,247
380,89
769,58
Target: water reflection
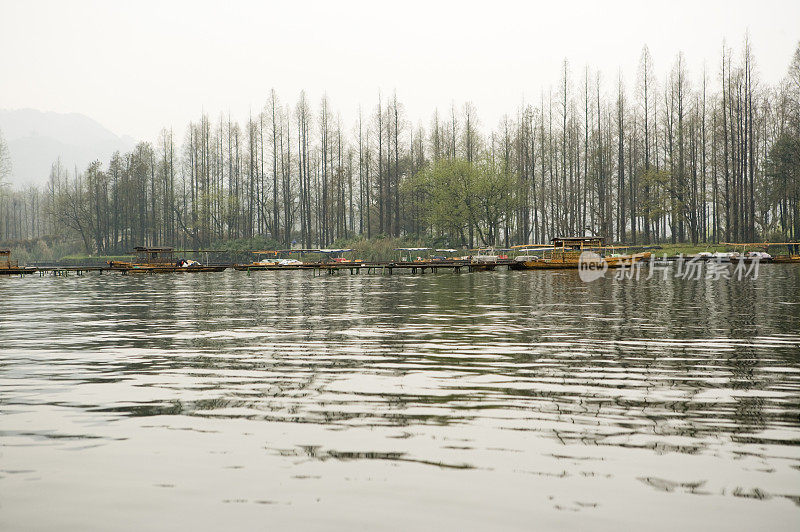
581,396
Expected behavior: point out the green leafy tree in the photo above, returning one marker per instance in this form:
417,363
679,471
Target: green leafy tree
457,195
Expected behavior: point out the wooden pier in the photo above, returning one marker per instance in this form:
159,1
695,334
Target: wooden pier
64,271
382,267
414,267
317,268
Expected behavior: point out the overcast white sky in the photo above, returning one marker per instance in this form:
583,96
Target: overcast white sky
138,66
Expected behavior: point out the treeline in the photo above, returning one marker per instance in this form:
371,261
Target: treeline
658,159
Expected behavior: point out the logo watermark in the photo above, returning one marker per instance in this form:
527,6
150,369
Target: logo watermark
592,266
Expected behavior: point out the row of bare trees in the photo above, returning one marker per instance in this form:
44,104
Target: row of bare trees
658,159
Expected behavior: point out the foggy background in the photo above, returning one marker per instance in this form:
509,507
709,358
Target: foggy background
126,70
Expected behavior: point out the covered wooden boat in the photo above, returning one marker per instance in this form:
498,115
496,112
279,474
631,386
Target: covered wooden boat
565,253
12,267
161,260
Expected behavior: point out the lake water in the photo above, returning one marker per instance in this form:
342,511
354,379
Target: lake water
482,401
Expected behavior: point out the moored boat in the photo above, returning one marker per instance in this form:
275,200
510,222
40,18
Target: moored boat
282,259
565,253
786,259
484,260
283,264
161,260
12,267
791,255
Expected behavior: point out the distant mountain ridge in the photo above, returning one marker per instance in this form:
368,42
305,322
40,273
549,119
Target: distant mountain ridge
36,139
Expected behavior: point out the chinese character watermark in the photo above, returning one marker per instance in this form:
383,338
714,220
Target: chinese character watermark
592,266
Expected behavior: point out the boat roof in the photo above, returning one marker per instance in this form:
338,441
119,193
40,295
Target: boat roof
313,250
153,250
577,239
520,246
276,251
760,244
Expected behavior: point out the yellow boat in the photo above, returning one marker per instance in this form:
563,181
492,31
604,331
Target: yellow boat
11,267
565,253
786,259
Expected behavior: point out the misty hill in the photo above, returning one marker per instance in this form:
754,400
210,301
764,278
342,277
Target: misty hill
36,139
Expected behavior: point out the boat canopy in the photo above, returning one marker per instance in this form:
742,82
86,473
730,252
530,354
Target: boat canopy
314,250
790,245
329,251
140,249
759,243
577,242
527,250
